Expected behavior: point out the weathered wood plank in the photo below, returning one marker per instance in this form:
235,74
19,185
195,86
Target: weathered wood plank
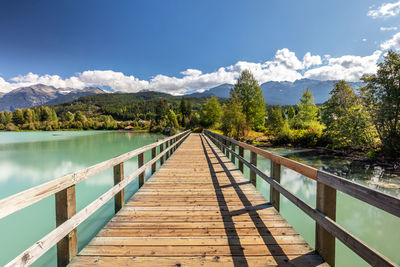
39,248
28,197
195,206
119,199
67,247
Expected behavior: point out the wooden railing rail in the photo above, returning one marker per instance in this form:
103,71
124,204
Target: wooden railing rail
64,235
325,212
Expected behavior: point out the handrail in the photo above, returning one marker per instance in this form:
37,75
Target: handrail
324,243
68,226
30,196
381,200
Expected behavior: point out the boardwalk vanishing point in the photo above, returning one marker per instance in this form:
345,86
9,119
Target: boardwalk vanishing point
198,209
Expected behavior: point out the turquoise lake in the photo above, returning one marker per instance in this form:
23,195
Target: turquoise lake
28,159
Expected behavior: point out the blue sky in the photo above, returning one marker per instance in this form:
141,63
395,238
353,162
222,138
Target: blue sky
180,46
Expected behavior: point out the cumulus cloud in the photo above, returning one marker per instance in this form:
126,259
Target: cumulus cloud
349,68
388,28
385,10
284,66
394,42
309,60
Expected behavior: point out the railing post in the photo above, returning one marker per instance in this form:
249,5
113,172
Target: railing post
227,146
161,150
274,196
232,155
241,153
119,199
67,248
166,147
142,176
324,241
253,161
153,155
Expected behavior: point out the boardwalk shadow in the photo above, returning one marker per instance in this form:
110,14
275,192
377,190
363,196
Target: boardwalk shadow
235,247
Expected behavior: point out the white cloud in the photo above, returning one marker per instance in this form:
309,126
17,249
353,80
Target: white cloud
115,80
388,28
392,43
385,10
284,66
309,60
364,39
349,68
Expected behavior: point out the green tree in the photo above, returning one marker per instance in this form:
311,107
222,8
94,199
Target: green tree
275,120
382,99
233,119
29,116
308,111
79,117
291,113
211,112
348,123
250,96
171,119
185,107
18,117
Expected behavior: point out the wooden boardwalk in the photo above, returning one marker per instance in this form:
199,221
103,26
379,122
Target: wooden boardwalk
198,210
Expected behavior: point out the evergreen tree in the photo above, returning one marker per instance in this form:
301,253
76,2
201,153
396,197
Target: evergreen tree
291,113
275,120
382,99
211,112
308,111
18,117
233,119
249,93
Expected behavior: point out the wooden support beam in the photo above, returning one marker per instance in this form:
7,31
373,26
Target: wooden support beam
119,199
161,150
226,150
253,161
153,155
142,176
232,155
274,196
324,241
67,248
241,153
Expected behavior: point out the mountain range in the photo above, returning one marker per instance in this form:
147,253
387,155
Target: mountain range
283,93
40,94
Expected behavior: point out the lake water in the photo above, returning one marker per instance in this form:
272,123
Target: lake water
28,159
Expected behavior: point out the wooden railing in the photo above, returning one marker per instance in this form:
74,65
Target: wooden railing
67,220
324,214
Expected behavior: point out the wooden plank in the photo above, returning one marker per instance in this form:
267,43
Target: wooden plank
153,155
366,252
291,164
209,261
276,175
67,247
325,241
241,153
119,199
253,161
28,197
142,176
161,150
39,248
195,206
373,197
